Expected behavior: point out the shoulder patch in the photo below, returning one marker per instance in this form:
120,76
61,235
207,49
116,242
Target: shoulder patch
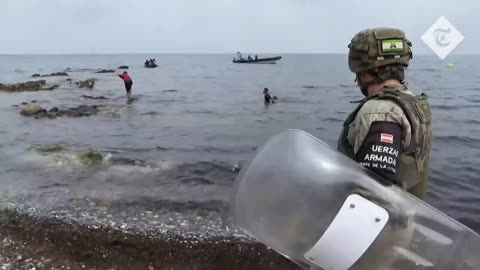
380,150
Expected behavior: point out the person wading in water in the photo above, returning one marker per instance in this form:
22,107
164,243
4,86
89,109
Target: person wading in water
128,83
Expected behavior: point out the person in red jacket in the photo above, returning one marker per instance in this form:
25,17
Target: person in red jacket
128,83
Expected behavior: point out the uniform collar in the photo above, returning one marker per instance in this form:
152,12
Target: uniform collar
397,87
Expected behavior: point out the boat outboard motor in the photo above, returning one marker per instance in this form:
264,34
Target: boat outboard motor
322,210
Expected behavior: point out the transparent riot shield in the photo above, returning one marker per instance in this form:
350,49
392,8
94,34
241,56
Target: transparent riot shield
322,210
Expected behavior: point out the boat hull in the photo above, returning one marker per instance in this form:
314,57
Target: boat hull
271,60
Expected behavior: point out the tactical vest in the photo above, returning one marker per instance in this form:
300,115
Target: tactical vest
413,166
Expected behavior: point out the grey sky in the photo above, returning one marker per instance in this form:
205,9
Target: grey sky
219,26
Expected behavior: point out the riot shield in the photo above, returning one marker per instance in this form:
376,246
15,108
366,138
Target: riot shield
322,210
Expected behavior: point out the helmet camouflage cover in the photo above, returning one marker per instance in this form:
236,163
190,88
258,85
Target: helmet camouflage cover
377,47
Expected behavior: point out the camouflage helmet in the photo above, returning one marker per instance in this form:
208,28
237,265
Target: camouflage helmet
377,47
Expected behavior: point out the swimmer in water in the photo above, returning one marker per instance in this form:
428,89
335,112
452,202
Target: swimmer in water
267,98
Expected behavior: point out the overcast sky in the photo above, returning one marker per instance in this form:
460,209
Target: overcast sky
220,26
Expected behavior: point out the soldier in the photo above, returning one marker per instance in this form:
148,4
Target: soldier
389,132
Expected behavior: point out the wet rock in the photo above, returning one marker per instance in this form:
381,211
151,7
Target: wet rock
82,110
51,115
86,107
26,86
69,79
50,88
59,74
36,111
123,67
40,115
31,109
72,113
86,84
90,158
55,74
49,148
50,75
91,97
106,71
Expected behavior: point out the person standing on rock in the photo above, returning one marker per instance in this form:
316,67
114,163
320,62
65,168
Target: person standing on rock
128,83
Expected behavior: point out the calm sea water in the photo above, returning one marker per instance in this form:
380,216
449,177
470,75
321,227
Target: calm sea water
200,115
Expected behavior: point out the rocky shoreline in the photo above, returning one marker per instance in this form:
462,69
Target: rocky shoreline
55,74
42,85
35,242
38,112
27,86
39,85
75,234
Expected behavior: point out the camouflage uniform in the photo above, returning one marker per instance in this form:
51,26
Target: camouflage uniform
389,132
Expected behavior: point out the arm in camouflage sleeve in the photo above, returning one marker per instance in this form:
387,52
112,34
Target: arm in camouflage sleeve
381,127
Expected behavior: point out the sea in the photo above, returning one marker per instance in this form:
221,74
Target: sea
174,152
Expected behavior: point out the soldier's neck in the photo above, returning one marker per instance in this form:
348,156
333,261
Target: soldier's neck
372,89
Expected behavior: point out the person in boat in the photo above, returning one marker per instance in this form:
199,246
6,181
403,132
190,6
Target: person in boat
128,83
389,132
147,62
